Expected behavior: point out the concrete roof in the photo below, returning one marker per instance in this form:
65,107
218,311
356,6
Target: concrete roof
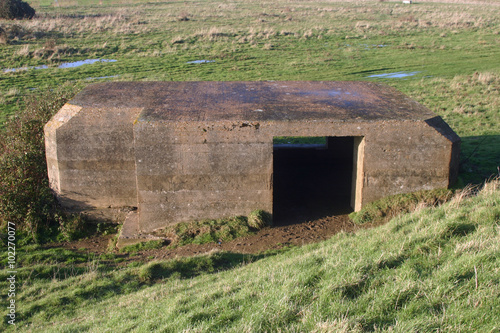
252,101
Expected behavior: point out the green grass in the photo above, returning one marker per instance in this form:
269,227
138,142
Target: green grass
318,140
436,269
214,231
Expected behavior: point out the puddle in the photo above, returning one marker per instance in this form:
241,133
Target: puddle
199,61
10,70
396,75
83,62
63,65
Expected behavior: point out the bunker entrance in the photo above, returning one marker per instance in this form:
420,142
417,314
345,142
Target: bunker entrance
312,177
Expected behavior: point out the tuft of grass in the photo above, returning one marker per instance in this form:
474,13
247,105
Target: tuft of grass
218,230
259,219
383,210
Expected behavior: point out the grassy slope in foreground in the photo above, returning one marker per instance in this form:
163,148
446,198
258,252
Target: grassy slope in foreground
434,269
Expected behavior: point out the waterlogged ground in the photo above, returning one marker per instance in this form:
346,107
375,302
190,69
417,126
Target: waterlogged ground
63,65
397,75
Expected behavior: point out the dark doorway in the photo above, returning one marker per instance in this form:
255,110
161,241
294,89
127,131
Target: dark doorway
311,181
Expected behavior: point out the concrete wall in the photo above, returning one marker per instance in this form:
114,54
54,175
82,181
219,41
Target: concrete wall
188,171
405,157
90,155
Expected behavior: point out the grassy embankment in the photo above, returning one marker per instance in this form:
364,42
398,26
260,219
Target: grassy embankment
433,269
436,269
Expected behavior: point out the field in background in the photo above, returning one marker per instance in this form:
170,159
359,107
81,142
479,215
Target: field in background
444,55
434,270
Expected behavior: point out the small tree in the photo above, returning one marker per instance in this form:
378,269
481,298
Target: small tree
15,9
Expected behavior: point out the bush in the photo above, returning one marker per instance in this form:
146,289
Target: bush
15,9
25,196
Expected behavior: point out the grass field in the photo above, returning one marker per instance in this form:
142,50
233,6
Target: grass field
434,270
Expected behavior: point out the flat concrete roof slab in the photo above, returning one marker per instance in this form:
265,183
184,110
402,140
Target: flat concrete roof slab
255,101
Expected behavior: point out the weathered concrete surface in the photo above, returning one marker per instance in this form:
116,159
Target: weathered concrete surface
90,155
254,101
190,150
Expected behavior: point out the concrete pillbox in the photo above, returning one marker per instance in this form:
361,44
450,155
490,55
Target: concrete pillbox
181,151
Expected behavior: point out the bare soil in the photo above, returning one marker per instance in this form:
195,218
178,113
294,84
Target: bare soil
271,238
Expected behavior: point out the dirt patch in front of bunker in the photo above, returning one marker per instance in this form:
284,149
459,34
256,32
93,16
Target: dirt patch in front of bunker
272,238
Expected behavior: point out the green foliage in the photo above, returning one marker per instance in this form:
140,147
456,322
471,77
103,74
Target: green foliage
386,208
70,227
219,230
106,228
15,9
25,196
